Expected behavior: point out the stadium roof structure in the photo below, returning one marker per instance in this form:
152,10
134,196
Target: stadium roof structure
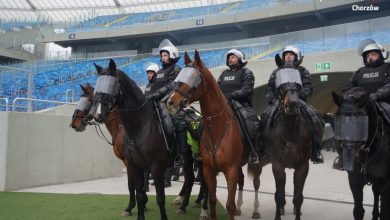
76,10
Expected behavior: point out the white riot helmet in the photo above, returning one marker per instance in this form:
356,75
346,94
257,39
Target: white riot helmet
240,55
292,49
167,46
149,66
369,45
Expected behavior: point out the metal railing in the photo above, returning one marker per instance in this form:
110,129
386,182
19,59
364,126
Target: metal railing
6,103
39,100
71,91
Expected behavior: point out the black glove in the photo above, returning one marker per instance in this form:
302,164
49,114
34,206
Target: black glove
151,96
236,94
374,96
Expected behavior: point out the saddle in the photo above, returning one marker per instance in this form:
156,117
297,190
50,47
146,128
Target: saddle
384,111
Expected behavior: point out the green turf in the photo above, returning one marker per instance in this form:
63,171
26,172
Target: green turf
42,206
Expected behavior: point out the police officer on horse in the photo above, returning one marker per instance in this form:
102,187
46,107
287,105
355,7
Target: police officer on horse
237,84
292,54
151,70
374,78
169,56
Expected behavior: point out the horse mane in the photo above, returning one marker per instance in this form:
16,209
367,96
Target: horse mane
129,86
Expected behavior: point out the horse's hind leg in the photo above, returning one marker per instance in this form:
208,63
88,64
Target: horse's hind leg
189,178
240,191
300,175
256,184
280,182
356,183
375,209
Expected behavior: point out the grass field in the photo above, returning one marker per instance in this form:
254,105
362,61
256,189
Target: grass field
46,206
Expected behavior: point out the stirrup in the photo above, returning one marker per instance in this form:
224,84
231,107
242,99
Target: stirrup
253,158
338,163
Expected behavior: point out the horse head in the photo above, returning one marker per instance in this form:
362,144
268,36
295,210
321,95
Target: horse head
107,92
288,82
352,123
79,118
188,84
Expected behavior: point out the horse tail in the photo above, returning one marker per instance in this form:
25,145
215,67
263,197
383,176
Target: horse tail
254,170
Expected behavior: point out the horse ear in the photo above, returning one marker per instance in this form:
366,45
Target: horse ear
187,59
98,68
298,63
112,66
198,61
338,100
279,62
82,87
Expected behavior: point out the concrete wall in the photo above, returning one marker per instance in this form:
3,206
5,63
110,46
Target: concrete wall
41,149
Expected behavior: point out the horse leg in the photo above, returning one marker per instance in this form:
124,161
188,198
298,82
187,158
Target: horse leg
385,200
211,181
256,185
356,183
300,175
231,176
189,179
132,202
158,178
375,209
203,213
280,182
240,191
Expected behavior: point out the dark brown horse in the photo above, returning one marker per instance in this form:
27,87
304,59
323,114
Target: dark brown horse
145,148
289,141
114,126
221,145
365,139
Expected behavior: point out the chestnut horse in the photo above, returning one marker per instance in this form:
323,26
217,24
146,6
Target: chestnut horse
221,145
145,146
114,126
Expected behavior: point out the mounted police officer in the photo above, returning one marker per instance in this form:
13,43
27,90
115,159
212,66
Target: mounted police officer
169,55
374,78
237,84
151,70
292,54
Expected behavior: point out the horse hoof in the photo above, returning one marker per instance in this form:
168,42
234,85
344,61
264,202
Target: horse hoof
180,211
195,205
125,214
255,215
177,201
203,215
237,212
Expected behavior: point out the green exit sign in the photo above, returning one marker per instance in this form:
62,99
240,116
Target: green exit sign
324,78
322,66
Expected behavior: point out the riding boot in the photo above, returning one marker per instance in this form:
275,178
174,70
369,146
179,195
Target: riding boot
181,137
338,162
316,156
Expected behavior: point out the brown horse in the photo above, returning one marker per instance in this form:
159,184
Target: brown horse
221,145
289,140
114,126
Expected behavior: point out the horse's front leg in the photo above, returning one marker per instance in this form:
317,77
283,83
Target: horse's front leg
132,201
211,181
300,175
158,178
140,193
240,191
231,175
375,209
280,182
356,183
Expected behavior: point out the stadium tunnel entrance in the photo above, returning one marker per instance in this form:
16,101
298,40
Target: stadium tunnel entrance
322,94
